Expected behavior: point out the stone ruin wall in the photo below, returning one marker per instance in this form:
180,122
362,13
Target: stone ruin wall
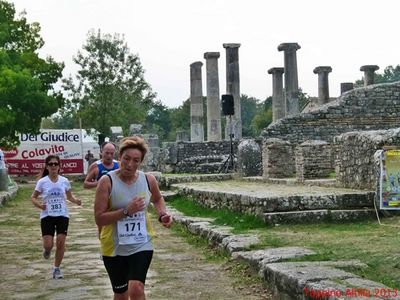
313,160
369,108
195,157
355,166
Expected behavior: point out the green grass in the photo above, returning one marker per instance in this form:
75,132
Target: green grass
239,222
374,245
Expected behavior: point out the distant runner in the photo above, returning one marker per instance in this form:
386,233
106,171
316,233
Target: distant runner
101,167
54,218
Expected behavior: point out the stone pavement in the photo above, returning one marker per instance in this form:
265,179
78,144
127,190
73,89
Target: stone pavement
26,275
178,270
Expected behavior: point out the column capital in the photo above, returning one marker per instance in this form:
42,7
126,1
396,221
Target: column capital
288,47
231,45
211,55
276,71
369,68
322,69
196,64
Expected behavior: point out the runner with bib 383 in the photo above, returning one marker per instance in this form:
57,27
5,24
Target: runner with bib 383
54,217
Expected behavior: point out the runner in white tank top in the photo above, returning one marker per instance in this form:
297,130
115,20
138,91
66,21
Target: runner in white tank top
122,198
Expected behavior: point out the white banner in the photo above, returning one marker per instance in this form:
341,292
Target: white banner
29,156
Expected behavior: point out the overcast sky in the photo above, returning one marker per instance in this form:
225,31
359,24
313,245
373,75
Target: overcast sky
169,35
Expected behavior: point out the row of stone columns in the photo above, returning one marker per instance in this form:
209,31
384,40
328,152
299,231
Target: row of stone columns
285,104
213,96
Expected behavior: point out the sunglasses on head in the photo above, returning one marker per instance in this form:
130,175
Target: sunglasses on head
53,164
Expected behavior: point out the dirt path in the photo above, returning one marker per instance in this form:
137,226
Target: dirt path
178,270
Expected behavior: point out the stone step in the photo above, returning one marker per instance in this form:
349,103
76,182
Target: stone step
318,216
167,181
324,182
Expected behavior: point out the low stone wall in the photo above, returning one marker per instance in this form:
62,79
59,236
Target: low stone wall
355,167
373,107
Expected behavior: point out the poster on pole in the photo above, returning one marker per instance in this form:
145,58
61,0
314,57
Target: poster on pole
28,158
390,179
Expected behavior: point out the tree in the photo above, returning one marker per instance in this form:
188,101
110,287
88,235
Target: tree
158,121
26,80
390,74
249,108
109,89
263,117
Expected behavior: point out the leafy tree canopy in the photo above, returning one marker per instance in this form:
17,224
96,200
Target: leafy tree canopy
26,80
109,88
263,117
158,121
249,108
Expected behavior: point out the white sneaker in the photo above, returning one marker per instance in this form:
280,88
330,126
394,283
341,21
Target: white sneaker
57,273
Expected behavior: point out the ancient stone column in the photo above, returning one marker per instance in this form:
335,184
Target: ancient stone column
369,73
291,79
196,103
213,103
345,87
278,98
233,88
323,83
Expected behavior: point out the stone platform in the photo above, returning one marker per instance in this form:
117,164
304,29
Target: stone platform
282,203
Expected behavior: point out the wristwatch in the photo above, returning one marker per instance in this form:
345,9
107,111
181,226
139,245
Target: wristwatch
125,212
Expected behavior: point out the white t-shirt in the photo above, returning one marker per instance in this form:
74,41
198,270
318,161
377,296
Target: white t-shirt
53,195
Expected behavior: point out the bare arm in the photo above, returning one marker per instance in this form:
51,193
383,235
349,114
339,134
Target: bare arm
158,201
36,202
102,214
91,177
71,198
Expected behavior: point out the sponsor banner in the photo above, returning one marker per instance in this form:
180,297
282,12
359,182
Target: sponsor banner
390,179
33,166
29,156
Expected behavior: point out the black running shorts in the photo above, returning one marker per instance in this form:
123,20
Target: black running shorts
50,225
121,269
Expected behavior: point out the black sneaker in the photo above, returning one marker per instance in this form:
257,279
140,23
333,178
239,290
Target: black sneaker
46,254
